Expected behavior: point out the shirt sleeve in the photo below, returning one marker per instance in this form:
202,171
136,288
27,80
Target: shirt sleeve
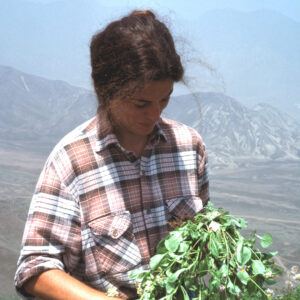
52,237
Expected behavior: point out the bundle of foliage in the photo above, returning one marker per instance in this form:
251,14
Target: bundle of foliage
208,258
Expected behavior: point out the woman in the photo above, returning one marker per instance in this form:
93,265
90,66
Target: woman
110,187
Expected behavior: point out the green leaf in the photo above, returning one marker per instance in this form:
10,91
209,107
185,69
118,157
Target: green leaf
212,215
173,242
183,247
243,276
239,223
200,224
233,263
172,277
233,289
161,248
155,260
246,255
170,288
214,246
203,266
184,293
224,270
258,267
136,274
242,223
239,248
266,240
243,253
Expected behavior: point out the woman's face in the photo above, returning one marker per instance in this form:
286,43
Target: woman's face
136,116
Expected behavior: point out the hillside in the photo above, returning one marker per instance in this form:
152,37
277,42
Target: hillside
35,113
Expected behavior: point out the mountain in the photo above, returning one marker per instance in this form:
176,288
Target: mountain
35,113
36,109
233,132
256,54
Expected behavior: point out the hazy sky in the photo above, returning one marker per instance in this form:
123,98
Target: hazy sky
254,55
290,8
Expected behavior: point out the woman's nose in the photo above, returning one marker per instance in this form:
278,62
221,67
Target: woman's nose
154,112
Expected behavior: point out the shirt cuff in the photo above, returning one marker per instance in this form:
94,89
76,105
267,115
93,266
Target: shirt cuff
33,266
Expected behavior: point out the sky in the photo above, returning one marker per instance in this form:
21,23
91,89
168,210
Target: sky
290,8
255,60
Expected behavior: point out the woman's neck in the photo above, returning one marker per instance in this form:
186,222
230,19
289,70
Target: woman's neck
131,142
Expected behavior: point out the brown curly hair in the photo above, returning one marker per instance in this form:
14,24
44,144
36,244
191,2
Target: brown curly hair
130,52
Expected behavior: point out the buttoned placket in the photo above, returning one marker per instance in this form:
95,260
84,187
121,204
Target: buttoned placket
143,190
141,165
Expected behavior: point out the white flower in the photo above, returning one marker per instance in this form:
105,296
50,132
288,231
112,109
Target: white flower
112,291
296,276
289,284
214,226
270,292
269,274
222,288
294,269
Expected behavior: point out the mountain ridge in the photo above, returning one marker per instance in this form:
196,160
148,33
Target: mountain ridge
36,112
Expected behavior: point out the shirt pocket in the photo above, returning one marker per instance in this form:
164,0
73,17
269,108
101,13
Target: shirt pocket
115,247
183,207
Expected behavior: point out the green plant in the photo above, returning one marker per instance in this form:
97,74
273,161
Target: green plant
208,258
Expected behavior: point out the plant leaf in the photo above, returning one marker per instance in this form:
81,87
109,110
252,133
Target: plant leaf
184,293
258,267
273,253
246,255
239,223
155,260
170,288
212,215
266,240
239,247
233,289
183,247
243,276
136,274
242,223
173,242
174,276
243,253
214,246
224,270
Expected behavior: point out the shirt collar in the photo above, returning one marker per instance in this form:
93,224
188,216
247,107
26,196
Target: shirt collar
106,136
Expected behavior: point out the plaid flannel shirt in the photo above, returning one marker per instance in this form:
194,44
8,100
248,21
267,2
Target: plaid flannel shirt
99,212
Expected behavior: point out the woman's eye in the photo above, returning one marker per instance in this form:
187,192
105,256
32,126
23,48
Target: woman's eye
144,104
141,104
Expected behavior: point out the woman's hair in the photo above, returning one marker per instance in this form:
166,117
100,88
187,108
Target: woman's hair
130,52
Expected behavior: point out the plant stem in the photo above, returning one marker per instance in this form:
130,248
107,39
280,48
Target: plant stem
253,281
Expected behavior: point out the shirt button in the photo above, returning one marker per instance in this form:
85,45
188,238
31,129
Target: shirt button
114,233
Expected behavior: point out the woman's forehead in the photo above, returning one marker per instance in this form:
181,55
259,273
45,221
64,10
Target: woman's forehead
154,90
